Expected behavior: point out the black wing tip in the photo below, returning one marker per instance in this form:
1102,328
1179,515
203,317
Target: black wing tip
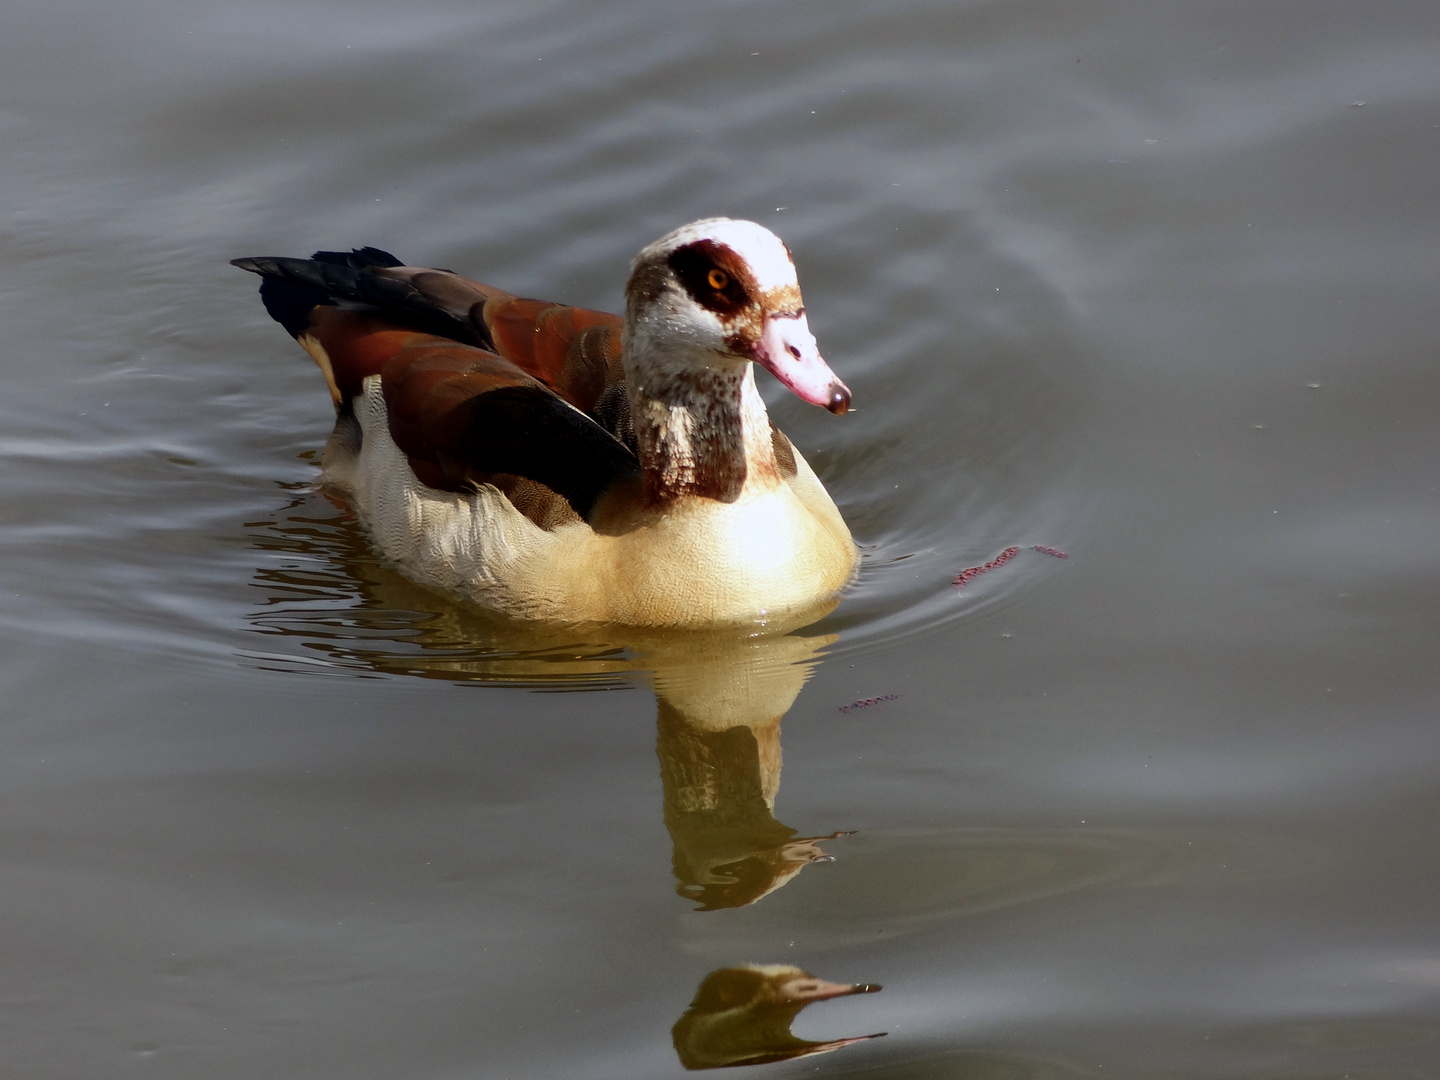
292,288
361,258
258,264
357,276
530,431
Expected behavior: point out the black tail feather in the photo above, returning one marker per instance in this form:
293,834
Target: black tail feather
293,287
338,275
358,258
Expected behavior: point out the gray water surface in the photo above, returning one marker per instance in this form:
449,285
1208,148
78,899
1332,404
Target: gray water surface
1153,284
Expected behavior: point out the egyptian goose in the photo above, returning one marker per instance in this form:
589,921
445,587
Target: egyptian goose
742,1016
567,465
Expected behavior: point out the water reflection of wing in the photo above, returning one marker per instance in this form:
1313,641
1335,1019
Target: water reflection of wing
742,1016
337,606
327,593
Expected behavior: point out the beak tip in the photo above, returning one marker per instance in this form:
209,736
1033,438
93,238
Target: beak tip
839,402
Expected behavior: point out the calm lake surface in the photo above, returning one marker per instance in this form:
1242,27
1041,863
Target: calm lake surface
1152,284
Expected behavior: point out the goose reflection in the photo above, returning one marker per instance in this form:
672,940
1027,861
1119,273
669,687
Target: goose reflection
742,1016
721,696
719,749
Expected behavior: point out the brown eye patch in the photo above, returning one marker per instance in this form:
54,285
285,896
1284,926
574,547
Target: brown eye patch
715,277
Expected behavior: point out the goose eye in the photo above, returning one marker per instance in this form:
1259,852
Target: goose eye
718,279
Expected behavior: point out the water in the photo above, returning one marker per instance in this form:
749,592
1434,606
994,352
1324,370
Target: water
1149,284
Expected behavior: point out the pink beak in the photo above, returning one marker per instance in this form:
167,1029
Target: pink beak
788,351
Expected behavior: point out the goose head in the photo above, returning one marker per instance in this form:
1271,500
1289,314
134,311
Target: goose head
719,294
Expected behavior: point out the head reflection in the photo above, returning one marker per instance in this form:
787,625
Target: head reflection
742,1016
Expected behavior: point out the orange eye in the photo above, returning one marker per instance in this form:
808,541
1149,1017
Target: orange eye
718,279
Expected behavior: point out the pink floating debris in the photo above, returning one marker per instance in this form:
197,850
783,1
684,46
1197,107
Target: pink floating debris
970,574
1043,550
865,703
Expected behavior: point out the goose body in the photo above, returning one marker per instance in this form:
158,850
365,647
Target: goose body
566,465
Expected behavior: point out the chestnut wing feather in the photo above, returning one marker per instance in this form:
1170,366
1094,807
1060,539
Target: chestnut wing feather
574,351
469,414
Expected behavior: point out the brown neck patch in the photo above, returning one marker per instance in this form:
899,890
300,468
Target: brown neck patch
691,434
